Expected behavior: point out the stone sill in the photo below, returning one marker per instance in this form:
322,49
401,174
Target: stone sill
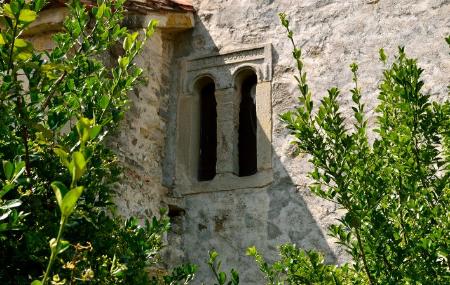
228,182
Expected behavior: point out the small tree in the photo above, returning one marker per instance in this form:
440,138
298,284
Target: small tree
56,107
395,191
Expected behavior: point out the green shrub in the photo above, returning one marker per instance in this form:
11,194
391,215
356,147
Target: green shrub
57,183
395,191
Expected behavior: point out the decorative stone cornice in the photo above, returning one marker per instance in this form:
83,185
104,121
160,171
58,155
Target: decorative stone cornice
223,66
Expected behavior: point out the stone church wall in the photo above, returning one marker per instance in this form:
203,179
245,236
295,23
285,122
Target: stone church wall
333,34
140,141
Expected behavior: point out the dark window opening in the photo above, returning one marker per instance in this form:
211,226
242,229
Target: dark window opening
175,211
247,127
208,133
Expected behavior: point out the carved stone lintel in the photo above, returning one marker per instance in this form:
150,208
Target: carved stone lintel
224,59
222,67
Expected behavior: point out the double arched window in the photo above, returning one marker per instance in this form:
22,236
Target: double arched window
224,122
245,128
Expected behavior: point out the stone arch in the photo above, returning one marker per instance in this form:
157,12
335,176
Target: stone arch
198,80
247,67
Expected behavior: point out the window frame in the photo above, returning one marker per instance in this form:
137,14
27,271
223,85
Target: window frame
223,69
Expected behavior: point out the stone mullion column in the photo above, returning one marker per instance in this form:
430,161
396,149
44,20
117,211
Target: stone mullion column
188,138
225,130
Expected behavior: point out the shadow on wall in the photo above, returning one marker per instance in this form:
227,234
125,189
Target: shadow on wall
232,209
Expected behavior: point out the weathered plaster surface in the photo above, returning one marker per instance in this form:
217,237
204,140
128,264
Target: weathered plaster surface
333,34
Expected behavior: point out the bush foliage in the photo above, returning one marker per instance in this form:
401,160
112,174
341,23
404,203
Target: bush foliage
395,191
57,183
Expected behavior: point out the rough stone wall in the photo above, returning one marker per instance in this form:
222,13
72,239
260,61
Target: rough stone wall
333,34
140,141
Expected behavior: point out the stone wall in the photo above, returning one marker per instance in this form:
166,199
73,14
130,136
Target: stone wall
141,139
333,34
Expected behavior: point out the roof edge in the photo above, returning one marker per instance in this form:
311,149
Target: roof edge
140,6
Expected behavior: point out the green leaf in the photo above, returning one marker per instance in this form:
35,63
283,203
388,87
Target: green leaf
123,62
77,165
38,5
27,15
20,43
63,155
251,251
15,6
24,56
126,44
383,56
100,11
213,255
151,28
60,191
8,169
104,101
2,40
11,204
79,160
129,40
36,282
63,246
71,84
8,11
3,227
5,215
234,276
70,200
6,188
222,277
19,167
354,67
83,126
94,131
